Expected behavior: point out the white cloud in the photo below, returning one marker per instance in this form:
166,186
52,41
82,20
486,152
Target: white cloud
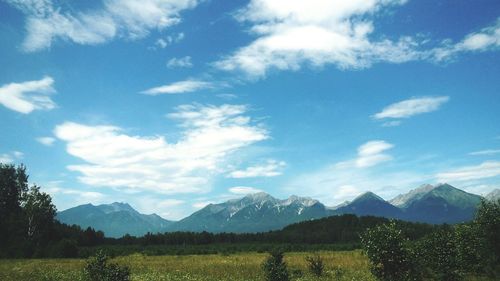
485,152
115,159
271,168
186,86
184,62
411,107
9,158
243,190
131,19
47,141
227,96
486,39
291,33
371,153
162,43
393,123
65,198
484,170
334,183
28,96
6,158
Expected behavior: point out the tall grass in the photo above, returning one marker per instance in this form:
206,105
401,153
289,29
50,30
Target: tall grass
339,266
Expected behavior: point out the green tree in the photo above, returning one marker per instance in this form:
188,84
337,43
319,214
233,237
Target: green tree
275,268
390,256
488,221
315,264
441,255
39,214
13,188
98,268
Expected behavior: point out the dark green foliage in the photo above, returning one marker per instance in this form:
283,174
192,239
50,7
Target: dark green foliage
275,268
98,268
488,221
65,248
26,215
472,251
440,254
390,256
315,265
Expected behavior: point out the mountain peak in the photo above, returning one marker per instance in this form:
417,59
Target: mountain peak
305,201
403,200
116,207
367,196
258,197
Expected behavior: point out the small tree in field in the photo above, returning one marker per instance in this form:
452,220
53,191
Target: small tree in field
386,247
275,268
99,269
315,264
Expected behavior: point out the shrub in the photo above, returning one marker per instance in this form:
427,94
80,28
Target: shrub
315,265
98,269
440,254
275,268
389,254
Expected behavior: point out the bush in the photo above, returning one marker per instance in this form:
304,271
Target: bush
391,258
315,265
98,269
440,254
275,268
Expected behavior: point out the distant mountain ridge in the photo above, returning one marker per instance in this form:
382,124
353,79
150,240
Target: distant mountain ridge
261,212
252,213
115,220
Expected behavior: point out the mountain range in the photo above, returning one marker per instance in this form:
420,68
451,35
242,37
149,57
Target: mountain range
260,212
115,220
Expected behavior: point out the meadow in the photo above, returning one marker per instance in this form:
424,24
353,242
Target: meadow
340,266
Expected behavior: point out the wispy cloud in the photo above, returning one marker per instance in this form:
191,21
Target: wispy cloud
131,19
372,153
114,159
411,107
486,39
181,87
485,152
484,170
271,168
336,182
243,190
28,96
11,157
47,141
184,62
295,33
162,43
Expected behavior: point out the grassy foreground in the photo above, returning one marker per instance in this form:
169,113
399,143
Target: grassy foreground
340,266
351,265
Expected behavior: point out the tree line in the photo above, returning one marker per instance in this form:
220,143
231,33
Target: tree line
28,228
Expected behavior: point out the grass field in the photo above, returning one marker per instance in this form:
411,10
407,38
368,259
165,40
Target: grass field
349,265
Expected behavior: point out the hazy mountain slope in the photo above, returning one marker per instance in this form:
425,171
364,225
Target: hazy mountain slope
115,220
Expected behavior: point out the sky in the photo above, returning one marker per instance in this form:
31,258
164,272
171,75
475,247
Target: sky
171,105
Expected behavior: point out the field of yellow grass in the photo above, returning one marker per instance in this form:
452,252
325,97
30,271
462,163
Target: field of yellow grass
350,265
339,266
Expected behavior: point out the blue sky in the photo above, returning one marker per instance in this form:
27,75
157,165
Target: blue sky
170,105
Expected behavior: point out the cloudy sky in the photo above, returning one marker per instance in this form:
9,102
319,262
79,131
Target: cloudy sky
170,105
